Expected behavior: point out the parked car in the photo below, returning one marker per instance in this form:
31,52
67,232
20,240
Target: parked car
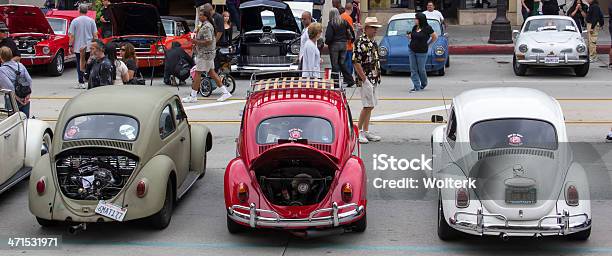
140,25
297,8
123,153
297,166
549,41
267,44
394,51
41,41
512,143
22,142
177,30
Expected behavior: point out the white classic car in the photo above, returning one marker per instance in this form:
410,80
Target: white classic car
512,143
22,142
550,41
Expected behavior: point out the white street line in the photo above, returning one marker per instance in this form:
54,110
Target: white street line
409,113
216,104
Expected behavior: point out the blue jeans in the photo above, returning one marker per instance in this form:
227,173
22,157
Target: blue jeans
418,74
349,61
24,108
78,66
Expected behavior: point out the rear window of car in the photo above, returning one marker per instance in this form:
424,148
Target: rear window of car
508,133
313,129
111,127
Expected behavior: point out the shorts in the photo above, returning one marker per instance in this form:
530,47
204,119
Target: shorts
203,65
368,95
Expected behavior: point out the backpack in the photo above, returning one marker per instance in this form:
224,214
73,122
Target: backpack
21,89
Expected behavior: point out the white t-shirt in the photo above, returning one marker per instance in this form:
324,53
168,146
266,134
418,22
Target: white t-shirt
303,39
311,60
435,14
82,28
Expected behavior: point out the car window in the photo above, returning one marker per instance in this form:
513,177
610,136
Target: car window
451,132
6,106
539,25
168,27
166,122
402,26
504,133
313,129
178,109
58,25
180,29
101,126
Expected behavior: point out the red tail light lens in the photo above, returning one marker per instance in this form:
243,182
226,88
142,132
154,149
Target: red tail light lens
243,192
141,189
40,186
462,198
571,197
347,193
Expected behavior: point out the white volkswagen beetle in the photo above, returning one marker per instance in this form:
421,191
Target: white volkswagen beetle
22,141
550,41
512,143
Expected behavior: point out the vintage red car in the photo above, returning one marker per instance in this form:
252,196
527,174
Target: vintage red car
141,25
42,41
297,166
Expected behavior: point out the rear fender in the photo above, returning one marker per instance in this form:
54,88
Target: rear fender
576,176
448,195
353,173
35,129
155,174
201,142
236,173
41,204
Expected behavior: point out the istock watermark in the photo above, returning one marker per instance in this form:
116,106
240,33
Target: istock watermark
383,162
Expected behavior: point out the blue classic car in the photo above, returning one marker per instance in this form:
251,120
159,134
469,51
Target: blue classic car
394,46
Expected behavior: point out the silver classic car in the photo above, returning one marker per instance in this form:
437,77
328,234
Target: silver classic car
550,41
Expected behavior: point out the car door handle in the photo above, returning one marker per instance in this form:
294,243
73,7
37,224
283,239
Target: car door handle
182,139
6,136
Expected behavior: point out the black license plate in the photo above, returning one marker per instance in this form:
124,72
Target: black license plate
521,195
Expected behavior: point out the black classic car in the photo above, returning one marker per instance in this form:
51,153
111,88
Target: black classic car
269,38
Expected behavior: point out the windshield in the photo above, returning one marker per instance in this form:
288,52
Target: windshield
401,27
313,129
58,25
508,133
112,127
6,105
539,25
168,27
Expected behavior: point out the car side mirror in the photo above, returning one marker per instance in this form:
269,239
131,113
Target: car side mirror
437,119
515,34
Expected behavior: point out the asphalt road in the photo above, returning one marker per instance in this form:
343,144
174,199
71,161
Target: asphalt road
400,222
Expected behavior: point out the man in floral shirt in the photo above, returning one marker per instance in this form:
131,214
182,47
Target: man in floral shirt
367,67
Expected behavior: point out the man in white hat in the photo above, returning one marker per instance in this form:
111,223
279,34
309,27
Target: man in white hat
367,68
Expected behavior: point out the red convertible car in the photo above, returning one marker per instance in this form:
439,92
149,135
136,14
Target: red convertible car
297,166
42,41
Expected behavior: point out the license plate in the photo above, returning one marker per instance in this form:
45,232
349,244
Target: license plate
111,211
521,195
551,60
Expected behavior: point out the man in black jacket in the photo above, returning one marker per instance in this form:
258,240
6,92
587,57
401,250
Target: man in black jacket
100,68
595,20
176,61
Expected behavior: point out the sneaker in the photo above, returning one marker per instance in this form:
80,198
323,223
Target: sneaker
80,86
413,90
371,136
189,99
224,97
362,138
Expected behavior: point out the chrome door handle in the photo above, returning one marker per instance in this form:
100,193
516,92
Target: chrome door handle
6,136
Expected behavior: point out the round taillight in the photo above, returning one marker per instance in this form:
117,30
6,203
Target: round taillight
462,198
572,197
243,192
141,189
347,192
40,186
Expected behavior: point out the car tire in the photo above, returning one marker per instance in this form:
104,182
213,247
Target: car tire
447,64
519,69
46,223
206,87
582,70
445,231
233,227
56,67
580,236
361,225
162,219
229,82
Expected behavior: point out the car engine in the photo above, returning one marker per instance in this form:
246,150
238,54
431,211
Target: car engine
88,177
26,44
295,186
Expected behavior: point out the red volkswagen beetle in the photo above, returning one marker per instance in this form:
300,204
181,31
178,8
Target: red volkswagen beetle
297,166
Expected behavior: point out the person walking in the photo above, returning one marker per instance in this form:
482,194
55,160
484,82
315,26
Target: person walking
5,40
216,20
82,31
337,35
311,58
101,69
367,68
346,16
178,64
306,21
421,36
14,74
233,9
575,13
106,20
594,21
204,52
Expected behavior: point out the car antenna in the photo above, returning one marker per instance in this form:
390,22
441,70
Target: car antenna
444,102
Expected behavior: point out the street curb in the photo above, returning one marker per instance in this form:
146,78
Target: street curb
500,49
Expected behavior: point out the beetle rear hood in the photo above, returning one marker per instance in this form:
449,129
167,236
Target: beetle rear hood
136,19
24,19
251,15
293,151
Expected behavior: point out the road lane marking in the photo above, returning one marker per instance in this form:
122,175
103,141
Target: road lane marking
216,104
409,113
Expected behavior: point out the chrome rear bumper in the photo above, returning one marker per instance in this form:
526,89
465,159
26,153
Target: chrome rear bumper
562,227
334,219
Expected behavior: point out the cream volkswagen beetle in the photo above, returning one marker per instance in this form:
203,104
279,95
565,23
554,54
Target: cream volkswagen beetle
120,153
513,143
22,142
